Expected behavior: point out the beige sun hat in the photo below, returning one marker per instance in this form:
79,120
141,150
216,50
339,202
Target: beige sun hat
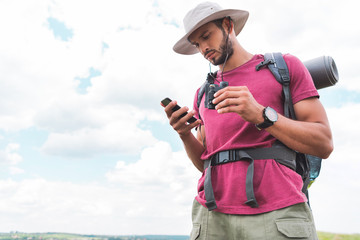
202,14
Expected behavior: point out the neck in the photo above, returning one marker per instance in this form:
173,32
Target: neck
238,58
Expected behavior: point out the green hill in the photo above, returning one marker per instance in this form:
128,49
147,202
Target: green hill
334,236
69,236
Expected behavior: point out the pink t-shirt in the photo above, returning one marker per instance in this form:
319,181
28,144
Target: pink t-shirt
275,185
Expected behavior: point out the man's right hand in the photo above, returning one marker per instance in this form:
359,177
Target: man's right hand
180,125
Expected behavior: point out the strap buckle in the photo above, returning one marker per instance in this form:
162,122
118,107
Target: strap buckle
264,63
211,205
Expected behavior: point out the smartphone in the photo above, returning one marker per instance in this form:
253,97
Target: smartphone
166,101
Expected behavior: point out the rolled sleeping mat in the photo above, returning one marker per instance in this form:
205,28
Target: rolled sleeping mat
323,71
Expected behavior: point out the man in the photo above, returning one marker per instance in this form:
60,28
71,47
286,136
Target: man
248,115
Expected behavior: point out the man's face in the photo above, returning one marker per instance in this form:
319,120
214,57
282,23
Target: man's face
211,41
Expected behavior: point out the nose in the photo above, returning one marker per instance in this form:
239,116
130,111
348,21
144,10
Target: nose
203,48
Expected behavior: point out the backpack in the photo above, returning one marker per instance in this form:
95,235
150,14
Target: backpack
307,166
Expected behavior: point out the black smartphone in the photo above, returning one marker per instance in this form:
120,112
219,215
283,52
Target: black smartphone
166,101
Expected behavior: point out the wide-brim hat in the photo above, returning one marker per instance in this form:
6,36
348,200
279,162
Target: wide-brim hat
202,14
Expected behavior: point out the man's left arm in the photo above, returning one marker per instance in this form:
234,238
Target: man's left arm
310,133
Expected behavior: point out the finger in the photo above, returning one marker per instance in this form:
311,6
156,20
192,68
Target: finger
239,93
227,109
227,89
180,113
183,124
178,116
227,103
190,126
180,125
169,108
225,96
190,115
228,92
231,89
221,91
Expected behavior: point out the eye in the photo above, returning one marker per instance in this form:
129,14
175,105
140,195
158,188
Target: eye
205,37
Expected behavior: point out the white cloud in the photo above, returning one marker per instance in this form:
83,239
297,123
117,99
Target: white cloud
10,158
82,127
36,68
15,170
139,66
158,166
337,189
111,138
344,133
163,181
31,203
151,196
138,69
9,155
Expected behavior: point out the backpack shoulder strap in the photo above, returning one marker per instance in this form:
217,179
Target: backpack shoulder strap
277,65
210,79
200,94
307,166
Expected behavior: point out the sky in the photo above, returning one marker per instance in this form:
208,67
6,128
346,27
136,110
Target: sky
85,146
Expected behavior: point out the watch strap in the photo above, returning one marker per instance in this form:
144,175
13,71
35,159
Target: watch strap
267,122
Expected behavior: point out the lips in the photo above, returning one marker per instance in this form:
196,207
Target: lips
210,54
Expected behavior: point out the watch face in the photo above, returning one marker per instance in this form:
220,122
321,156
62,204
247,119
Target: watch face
271,114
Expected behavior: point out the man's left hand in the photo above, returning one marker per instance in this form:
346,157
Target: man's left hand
238,99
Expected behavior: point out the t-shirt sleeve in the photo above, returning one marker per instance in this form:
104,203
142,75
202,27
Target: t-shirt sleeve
301,85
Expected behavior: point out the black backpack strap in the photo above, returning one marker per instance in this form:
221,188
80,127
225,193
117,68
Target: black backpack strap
277,65
208,188
209,79
209,191
200,95
279,152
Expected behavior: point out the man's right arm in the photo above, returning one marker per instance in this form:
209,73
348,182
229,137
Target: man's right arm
193,145
194,148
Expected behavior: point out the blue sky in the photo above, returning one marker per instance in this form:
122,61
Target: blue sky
85,146
59,29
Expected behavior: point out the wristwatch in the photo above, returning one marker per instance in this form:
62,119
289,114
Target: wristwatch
270,117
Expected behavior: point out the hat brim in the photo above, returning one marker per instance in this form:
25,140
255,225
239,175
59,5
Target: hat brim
239,17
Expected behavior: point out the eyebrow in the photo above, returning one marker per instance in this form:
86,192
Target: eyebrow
204,33
201,36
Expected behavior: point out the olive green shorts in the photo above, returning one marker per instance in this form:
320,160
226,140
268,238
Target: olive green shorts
294,222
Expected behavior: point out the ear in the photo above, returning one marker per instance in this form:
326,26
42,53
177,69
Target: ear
228,24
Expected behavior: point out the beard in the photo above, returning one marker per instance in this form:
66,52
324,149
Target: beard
226,49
